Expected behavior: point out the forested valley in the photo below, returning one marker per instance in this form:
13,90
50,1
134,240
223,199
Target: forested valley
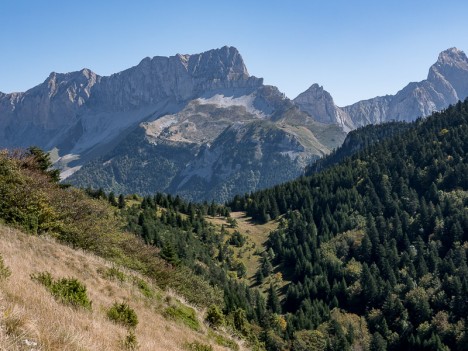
367,251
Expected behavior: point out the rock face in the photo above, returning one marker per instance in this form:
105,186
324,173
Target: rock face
177,78
36,116
319,104
446,83
197,125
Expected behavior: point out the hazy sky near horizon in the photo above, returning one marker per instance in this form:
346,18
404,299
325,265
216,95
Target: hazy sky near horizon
356,49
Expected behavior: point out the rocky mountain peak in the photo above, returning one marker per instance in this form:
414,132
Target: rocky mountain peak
316,98
453,57
446,83
225,62
176,78
319,104
450,74
74,87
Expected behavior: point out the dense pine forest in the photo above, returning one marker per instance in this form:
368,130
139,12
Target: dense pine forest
375,246
357,140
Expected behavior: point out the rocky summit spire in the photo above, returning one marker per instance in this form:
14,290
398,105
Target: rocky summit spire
319,104
451,70
453,57
223,63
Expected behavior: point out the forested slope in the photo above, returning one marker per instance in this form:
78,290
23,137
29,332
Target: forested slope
375,247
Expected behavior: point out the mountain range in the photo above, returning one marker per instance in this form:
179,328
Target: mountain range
200,125
446,83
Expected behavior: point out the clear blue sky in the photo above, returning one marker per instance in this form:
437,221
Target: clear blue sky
355,49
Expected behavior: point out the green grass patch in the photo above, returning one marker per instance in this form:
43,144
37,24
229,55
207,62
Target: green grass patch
183,314
144,287
198,346
113,273
224,341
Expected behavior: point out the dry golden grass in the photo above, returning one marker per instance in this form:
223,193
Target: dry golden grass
31,319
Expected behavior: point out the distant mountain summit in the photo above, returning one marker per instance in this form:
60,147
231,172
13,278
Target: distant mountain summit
446,83
95,109
319,104
197,125
39,114
176,78
451,72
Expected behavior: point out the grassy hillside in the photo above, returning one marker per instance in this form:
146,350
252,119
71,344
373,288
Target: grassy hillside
56,233
31,318
256,236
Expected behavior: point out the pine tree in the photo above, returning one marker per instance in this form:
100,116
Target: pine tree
121,203
273,302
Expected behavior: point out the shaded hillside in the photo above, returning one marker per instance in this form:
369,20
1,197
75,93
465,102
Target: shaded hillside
378,242
209,151
357,140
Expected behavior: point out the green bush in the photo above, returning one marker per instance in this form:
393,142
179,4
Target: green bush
214,316
67,290
5,271
123,314
130,341
114,273
198,346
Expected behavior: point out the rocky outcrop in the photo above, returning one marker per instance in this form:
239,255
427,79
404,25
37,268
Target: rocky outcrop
319,104
37,115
